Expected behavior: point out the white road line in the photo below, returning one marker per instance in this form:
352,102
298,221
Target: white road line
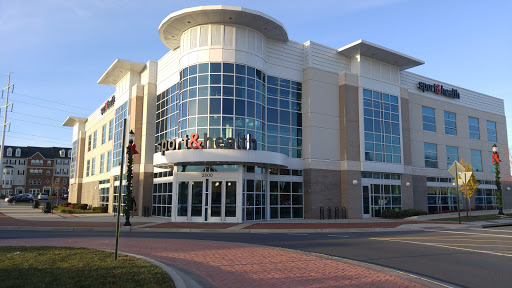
483,234
487,229
297,234
342,236
444,246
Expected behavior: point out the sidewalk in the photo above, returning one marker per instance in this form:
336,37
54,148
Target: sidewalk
24,216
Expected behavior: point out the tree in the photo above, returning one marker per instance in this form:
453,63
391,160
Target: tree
469,188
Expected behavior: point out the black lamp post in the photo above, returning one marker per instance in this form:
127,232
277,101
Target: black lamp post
499,195
129,177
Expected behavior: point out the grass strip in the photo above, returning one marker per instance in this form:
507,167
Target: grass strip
76,267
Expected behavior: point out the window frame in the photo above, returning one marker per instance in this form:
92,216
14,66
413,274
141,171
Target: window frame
423,116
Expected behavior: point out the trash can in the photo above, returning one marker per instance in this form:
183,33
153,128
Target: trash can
35,205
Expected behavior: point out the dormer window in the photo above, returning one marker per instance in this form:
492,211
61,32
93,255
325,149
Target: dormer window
62,153
9,151
18,152
69,153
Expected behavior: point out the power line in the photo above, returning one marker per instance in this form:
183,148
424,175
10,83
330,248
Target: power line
46,100
39,136
41,106
31,115
38,140
37,123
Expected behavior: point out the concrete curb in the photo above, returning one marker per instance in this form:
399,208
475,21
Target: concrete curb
496,225
180,280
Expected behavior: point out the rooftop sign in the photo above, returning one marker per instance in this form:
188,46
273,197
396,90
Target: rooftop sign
110,103
439,89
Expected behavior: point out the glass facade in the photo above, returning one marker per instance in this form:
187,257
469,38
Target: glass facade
162,199
441,199
430,155
491,132
385,196
476,160
452,154
226,99
72,169
450,123
381,127
429,118
485,199
474,130
121,113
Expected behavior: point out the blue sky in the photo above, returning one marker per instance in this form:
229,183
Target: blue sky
58,49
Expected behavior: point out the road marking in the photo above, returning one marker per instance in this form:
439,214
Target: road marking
444,246
493,235
300,234
342,236
449,239
509,231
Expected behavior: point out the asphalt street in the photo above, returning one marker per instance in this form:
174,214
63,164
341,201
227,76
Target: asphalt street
469,258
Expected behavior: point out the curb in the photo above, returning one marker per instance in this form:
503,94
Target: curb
180,280
496,225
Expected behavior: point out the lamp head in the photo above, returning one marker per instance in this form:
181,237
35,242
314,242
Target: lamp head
131,136
494,149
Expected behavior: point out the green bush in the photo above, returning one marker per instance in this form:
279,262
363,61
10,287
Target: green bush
81,206
65,204
101,209
67,210
400,214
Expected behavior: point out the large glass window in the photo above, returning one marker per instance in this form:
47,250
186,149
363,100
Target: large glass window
382,127
102,163
429,118
109,160
95,139
162,199
452,154
485,199
73,160
476,160
110,129
430,155
450,124
103,134
226,99
491,132
441,199
93,166
385,197
474,130
121,113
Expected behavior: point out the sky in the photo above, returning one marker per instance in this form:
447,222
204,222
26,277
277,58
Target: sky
58,49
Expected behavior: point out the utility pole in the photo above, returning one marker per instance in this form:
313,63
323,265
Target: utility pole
9,85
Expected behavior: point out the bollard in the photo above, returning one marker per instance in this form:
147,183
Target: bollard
336,212
322,213
343,212
329,213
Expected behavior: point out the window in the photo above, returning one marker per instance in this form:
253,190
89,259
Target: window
109,160
103,134
474,131
73,159
93,166
95,139
102,162
48,163
47,172
452,154
476,160
9,152
381,126
430,155
429,119
450,125
64,180
69,153
89,143
18,152
491,132
57,180
110,129
88,168
62,153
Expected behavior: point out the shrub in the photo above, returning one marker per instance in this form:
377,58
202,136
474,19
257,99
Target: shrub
81,206
100,209
400,214
71,206
67,210
65,204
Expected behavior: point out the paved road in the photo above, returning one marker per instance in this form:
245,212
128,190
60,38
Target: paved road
470,258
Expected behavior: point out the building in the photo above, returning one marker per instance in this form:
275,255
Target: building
237,122
35,170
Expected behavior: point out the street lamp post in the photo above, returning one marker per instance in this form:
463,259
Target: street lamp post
129,178
499,195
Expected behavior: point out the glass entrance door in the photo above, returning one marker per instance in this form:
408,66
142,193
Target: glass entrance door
366,201
197,201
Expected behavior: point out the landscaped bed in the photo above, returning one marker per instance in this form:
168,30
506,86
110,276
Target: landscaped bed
76,208
76,267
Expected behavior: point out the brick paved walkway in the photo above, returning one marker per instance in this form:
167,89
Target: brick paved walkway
238,265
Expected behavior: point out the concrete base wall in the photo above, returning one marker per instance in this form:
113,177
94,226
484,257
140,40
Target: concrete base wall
351,195
419,186
90,194
321,188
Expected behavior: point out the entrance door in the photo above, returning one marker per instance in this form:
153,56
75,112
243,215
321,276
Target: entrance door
366,201
197,200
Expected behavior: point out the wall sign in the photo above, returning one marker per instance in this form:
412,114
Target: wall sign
438,89
110,103
240,142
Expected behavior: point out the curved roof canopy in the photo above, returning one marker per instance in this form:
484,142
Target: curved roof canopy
175,24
